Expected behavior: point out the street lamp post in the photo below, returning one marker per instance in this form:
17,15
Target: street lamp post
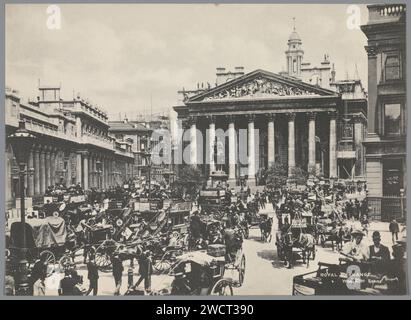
21,142
147,156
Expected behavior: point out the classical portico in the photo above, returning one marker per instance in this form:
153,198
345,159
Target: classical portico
273,119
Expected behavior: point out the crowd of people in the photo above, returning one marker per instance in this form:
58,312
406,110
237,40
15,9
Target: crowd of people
228,229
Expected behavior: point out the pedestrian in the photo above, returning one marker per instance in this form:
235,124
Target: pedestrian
378,252
394,229
356,250
117,273
69,285
92,275
38,276
145,270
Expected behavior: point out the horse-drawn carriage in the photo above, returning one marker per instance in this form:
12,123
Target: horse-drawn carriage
347,278
214,201
47,239
160,231
296,238
204,273
265,225
334,232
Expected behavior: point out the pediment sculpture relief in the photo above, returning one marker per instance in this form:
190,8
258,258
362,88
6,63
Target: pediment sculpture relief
259,87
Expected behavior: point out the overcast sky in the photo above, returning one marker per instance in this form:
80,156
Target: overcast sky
127,57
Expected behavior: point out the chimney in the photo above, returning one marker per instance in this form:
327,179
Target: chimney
221,76
238,72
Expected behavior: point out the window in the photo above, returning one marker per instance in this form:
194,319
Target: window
392,177
347,131
294,65
392,67
392,119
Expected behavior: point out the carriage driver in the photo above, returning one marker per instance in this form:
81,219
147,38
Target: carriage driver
356,250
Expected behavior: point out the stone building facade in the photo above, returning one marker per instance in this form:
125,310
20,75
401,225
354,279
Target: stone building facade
73,144
385,144
318,125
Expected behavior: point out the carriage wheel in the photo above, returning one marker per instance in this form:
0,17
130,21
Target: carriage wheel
162,265
50,261
222,287
102,258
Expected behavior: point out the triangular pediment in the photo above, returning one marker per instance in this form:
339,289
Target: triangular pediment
260,84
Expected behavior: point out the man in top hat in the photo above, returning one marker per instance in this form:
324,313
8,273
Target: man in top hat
356,250
378,252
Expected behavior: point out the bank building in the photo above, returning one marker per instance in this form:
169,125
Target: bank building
304,116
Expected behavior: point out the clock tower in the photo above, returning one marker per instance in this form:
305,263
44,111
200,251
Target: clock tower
294,54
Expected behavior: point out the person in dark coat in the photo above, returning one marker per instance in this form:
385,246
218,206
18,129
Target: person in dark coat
379,254
117,273
38,276
195,227
68,285
145,270
394,229
92,276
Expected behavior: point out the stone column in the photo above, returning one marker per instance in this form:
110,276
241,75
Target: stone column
48,167
373,80
193,141
30,175
358,139
106,172
110,172
103,173
291,143
37,170
69,173
333,145
251,151
42,172
85,171
90,171
78,168
311,141
53,166
211,141
231,151
271,139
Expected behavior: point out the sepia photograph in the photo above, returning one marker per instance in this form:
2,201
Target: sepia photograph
205,149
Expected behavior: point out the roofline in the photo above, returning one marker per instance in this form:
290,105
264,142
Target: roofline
279,77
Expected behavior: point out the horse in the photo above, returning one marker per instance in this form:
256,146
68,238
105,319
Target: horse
306,242
339,236
284,244
265,228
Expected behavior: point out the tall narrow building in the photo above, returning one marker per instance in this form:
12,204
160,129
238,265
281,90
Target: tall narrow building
385,143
